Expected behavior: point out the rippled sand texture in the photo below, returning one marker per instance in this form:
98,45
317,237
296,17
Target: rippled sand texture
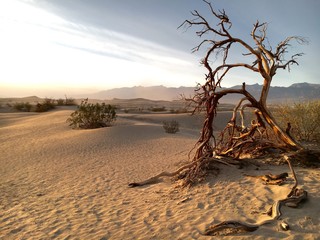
59,183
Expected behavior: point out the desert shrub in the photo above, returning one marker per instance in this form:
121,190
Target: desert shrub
67,101
24,106
158,109
171,126
46,105
180,110
70,101
304,118
90,115
60,102
18,106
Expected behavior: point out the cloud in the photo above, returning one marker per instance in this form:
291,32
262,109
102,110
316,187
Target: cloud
114,44
43,50
33,25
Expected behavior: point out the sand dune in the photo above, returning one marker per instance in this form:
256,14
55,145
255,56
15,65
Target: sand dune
59,183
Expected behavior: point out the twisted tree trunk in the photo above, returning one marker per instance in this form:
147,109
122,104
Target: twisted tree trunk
235,140
281,134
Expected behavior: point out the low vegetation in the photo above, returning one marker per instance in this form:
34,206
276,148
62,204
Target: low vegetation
171,126
60,102
302,120
44,106
158,109
65,102
23,106
89,115
180,110
70,101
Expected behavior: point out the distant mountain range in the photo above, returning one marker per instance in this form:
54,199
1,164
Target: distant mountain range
295,92
152,93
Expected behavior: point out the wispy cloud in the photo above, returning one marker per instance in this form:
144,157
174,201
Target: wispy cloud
49,50
40,25
114,44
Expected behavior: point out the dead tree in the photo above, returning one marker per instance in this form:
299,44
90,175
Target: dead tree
234,139
263,132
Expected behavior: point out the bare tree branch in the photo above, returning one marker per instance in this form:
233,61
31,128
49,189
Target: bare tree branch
235,139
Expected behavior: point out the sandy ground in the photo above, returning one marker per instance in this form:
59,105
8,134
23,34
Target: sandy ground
59,183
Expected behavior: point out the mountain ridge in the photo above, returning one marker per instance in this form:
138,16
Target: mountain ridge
297,91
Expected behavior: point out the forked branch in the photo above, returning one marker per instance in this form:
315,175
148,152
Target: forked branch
263,132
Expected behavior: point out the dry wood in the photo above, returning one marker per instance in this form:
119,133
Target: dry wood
185,168
263,132
293,199
236,140
271,179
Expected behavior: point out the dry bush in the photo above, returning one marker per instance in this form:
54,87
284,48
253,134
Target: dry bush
46,105
304,118
60,102
171,126
180,110
24,106
66,102
70,101
89,115
158,109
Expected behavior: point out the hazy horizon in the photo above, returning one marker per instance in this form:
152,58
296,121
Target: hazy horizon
82,93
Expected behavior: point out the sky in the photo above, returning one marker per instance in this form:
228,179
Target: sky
50,48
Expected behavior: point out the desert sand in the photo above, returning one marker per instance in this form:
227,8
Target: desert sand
60,183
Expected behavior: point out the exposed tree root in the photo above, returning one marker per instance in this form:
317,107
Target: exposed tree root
293,199
270,179
196,170
157,178
182,172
